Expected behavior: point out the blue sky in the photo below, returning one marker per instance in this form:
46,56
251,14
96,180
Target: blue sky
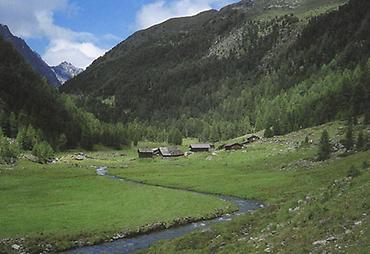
79,31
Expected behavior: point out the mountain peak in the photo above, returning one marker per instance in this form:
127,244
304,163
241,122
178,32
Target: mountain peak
65,71
5,27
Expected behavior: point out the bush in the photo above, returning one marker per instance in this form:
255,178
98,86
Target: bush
43,152
365,165
9,151
353,172
306,140
27,138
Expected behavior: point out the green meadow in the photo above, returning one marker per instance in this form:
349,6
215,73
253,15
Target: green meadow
62,202
306,200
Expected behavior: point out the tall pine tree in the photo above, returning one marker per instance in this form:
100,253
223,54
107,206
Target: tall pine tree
324,147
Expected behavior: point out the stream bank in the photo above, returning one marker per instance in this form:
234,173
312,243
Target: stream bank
145,240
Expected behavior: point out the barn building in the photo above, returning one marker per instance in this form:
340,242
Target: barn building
145,152
234,146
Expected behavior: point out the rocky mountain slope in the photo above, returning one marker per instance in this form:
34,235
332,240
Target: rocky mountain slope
30,56
66,71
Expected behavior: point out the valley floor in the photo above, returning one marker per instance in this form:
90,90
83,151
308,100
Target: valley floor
311,206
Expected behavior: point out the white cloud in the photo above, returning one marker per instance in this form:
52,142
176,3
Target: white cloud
80,54
35,19
161,10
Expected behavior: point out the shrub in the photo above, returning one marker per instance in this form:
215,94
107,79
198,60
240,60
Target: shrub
27,138
43,152
306,140
9,151
365,165
353,172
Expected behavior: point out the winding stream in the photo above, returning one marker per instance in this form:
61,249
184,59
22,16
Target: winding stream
124,246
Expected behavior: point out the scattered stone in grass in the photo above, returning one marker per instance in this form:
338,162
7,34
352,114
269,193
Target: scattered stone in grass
320,242
331,238
324,242
209,158
101,171
16,247
296,209
357,223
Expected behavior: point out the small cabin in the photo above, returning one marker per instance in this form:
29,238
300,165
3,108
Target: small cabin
145,152
200,147
234,146
168,152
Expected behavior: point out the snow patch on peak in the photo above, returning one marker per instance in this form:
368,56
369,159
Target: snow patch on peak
65,71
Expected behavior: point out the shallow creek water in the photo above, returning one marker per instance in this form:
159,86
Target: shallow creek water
130,245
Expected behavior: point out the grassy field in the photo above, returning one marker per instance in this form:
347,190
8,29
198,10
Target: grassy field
308,201
333,218
311,206
262,171
63,202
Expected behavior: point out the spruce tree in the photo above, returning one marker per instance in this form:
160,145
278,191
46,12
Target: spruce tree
62,142
269,133
324,147
348,142
366,142
13,125
360,141
367,117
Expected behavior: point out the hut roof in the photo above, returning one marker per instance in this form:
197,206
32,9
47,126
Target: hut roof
232,145
170,151
252,137
200,146
146,150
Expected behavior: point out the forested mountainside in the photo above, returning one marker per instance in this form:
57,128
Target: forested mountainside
31,57
280,65
28,104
